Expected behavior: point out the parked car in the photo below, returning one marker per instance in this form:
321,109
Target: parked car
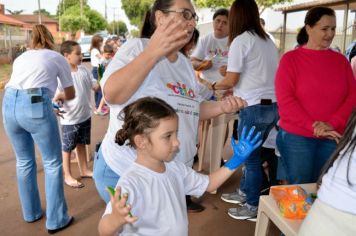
84,43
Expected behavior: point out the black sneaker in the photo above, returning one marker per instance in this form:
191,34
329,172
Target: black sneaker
195,207
53,231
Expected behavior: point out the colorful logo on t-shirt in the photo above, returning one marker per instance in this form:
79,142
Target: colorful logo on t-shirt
181,89
218,52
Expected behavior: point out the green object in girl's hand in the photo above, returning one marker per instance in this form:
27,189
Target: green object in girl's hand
112,192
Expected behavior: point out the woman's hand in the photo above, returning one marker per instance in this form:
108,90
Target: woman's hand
121,210
245,146
168,37
222,70
232,104
325,130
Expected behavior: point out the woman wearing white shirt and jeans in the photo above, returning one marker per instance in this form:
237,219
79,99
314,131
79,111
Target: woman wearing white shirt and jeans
29,118
251,70
146,67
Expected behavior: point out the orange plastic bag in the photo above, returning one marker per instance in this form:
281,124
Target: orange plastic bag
291,201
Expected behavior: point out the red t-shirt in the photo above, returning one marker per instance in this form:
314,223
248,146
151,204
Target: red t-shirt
314,85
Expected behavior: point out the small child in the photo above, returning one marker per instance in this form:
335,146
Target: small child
108,54
76,122
155,185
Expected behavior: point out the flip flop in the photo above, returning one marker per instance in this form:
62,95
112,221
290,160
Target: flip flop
76,185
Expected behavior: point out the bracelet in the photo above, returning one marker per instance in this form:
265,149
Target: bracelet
213,86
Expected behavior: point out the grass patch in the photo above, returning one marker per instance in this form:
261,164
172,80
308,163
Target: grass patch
5,71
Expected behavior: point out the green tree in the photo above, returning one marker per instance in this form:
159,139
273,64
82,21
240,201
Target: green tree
135,33
117,27
262,4
43,12
136,10
66,4
73,24
92,21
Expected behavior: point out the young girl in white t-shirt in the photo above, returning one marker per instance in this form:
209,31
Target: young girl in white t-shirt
154,186
76,121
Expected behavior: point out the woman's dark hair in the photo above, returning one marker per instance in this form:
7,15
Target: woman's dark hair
311,18
67,46
149,24
244,16
140,117
221,12
348,140
41,38
96,40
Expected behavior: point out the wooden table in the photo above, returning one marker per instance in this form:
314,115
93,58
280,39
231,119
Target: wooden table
268,211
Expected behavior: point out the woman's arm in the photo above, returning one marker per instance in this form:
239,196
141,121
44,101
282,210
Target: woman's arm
123,83
230,80
210,109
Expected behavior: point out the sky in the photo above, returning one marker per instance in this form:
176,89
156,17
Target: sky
113,7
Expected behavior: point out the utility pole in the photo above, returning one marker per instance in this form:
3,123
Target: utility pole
81,8
116,23
39,12
106,11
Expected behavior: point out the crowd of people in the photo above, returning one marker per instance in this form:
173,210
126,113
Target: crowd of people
156,89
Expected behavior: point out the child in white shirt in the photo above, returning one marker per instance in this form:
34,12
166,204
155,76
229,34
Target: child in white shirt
76,121
155,185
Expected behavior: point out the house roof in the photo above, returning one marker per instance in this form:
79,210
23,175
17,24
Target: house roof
31,19
10,21
310,4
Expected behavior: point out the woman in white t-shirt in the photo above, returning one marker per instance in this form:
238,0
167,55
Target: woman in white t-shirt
155,67
334,211
251,70
29,118
95,57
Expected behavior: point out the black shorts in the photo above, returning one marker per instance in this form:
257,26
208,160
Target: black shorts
75,134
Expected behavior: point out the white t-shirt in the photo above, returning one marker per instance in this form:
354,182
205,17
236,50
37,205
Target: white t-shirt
158,199
335,191
94,59
256,60
209,46
173,82
39,69
79,109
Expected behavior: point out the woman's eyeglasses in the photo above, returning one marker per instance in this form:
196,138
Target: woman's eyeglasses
186,13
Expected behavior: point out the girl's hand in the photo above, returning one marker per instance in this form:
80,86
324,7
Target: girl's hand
245,146
120,209
232,104
168,37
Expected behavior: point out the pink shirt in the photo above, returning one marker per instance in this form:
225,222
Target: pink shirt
314,85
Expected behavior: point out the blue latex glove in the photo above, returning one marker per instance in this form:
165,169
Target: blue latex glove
244,147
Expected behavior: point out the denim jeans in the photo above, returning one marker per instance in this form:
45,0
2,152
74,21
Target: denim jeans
303,157
103,176
263,117
98,94
28,118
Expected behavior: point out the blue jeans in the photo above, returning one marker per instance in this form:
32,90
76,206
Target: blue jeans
303,157
263,117
103,176
28,118
98,94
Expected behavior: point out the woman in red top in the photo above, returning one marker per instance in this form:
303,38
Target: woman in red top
316,92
